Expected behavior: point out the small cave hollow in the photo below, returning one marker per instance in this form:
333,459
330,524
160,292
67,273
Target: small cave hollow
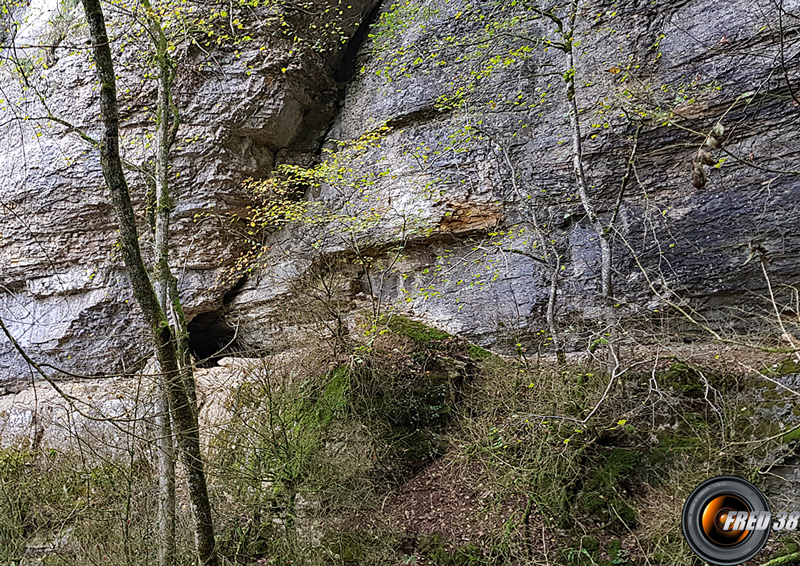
211,339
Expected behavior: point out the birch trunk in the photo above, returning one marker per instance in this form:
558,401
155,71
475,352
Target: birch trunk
603,232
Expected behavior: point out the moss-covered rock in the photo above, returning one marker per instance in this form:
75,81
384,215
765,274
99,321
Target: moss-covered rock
684,378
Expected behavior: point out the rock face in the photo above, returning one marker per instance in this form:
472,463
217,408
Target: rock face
64,294
474,174
480,152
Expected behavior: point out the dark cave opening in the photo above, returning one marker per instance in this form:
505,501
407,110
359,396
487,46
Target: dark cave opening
347,66
210,339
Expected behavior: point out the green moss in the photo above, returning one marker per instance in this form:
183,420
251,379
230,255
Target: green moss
478,354
683,377
601,495
614,550
590,543
315,404
415,330
621,461
789,547
788,366
434,551
671,445
351,548
334,396
791,436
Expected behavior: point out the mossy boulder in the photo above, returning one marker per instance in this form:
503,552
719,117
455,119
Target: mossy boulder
684,378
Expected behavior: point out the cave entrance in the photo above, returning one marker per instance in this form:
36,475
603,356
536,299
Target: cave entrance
210,339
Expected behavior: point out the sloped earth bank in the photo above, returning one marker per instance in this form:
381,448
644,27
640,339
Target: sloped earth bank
427,449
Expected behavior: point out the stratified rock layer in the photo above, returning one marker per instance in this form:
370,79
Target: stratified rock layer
64,293
461,180
480,151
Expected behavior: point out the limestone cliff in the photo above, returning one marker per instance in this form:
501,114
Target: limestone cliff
64,292
461,175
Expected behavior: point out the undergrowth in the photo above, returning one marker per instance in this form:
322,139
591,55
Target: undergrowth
564,465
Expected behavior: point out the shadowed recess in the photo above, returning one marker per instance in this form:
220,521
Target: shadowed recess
210,338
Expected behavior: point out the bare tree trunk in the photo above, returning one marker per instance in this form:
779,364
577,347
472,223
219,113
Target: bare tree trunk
181,331
167,123
552,303
165,132
183,413
603,233
577,159
166,479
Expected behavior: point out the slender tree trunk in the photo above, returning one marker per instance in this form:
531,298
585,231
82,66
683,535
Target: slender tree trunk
167,123
181,330
552,303
166,479
161,283
577,159
183,413
606,255
603,233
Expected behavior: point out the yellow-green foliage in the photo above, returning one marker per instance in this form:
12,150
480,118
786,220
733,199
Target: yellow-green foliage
349,172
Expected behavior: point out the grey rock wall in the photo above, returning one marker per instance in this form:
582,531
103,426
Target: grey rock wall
673,68
63,290
458,179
